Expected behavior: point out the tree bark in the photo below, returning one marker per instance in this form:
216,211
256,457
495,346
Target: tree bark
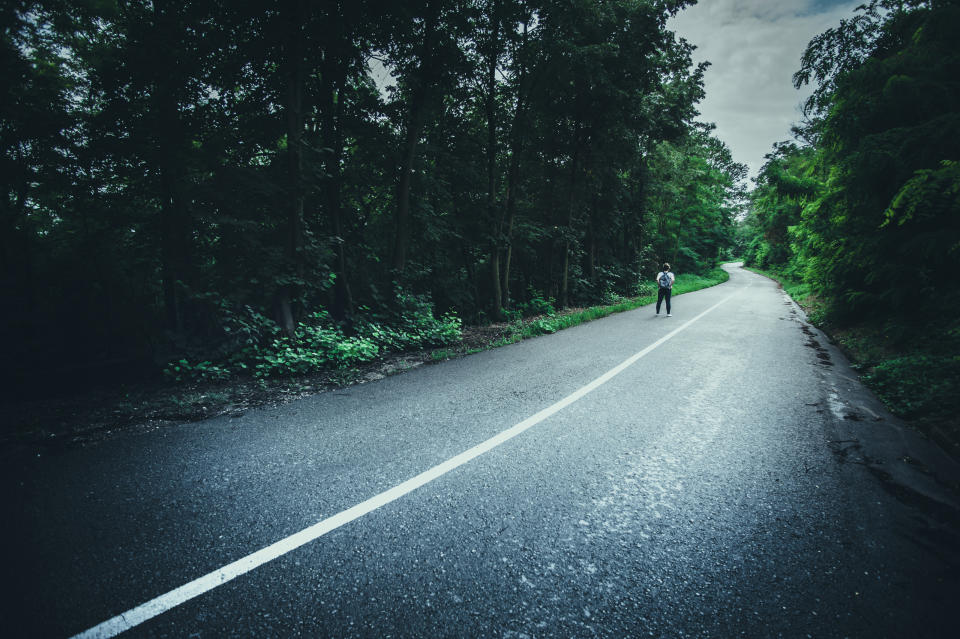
565,282
294,18
513,174
333,76
493,54
676,249
592,240
416,119
174,224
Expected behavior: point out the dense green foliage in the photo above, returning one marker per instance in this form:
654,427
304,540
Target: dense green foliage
866,213
869,212
211,181
646,294
317,345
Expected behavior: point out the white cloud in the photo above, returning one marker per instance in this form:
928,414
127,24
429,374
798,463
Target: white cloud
754,47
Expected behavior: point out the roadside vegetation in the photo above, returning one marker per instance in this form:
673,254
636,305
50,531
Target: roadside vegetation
227,389
546,319
207,191
859,216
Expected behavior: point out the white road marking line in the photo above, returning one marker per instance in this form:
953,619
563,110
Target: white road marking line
146,611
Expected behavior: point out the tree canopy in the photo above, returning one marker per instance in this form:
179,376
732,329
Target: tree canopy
193,179
868,212
865,208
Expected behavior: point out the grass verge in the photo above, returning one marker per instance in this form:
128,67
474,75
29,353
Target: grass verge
544,324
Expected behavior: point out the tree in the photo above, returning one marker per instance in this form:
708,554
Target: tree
211,179
888,109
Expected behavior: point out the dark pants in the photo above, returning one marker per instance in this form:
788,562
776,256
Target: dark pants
663,294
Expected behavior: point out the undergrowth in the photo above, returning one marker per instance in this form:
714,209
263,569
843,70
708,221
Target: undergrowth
552,321
254,365
918,377
259,349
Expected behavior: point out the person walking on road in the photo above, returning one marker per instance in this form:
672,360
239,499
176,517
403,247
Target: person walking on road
665,282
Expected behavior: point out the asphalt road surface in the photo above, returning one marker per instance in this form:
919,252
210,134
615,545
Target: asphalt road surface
730,478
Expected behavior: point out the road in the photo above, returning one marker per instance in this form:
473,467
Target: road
730,478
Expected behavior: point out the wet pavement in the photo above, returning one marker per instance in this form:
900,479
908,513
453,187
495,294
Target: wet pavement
734,480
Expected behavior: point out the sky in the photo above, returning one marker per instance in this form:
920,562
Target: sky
754,47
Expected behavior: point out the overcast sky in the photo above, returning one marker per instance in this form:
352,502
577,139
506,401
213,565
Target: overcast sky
754,47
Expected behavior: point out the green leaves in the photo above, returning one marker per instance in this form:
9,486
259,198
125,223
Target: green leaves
929,193
694,194
876,199
869,214
179,177
916,384
183,370
318,344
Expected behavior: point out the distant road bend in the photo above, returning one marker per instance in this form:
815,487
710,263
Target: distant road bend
718,473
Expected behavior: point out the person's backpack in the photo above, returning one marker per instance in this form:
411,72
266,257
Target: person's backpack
665,280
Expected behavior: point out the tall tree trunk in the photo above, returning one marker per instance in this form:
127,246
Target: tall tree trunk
513,174
506,262
676,248
294,18
17,255
171,243
491,108
633,244
174,225
633,247
416,120
402,225
592,240
565,282
333,76
342,297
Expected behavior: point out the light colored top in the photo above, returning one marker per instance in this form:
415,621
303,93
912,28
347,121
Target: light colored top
672,278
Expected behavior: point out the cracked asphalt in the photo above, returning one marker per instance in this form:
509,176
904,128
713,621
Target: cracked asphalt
735,481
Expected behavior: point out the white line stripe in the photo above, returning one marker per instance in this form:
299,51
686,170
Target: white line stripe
146,611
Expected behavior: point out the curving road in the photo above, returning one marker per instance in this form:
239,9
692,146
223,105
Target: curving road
730,478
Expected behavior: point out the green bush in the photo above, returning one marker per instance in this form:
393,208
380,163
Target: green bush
537,304
182,370
415,327
645,289
542,326
319,344
917,384
245,326
612,297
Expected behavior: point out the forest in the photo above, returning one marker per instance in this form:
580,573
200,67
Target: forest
859,214
221,188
